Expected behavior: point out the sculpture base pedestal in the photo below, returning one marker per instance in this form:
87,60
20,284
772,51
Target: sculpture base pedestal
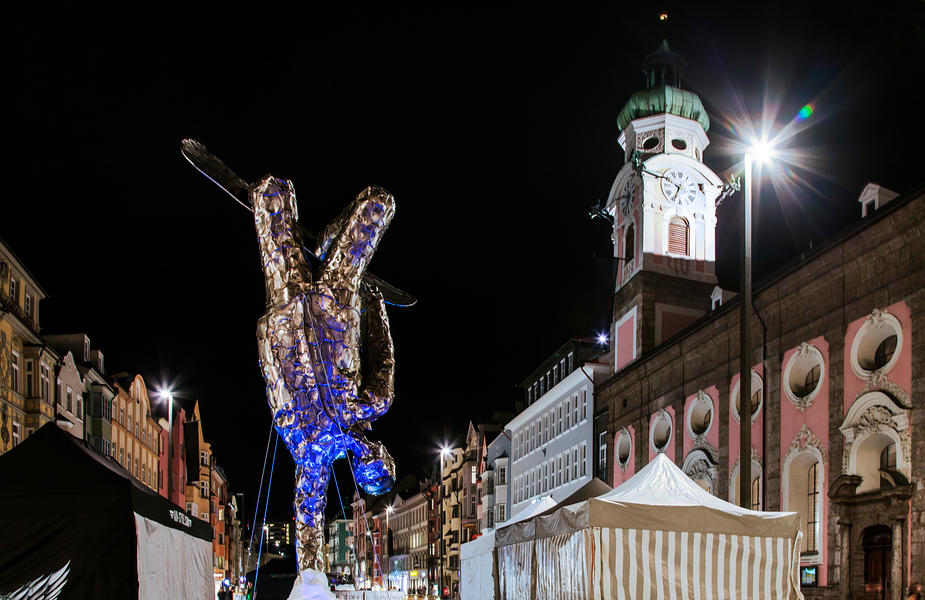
311,585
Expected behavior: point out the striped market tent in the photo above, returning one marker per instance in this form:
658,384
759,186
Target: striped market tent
659,535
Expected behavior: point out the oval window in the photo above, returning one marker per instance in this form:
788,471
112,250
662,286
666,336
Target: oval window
651,143
679,144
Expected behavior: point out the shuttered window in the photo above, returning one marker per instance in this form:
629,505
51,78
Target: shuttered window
677,236
630,251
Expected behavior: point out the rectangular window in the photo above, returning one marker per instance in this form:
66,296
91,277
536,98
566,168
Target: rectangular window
204,489
568,414
574,463
575,409
16,433
29,377
602,453
559,409
204,458
812,509
69,395
80,404
559,470
28,305
44,379
502,475
562,368
571,362
567,461
756,494
501,516
584,403
555,374
472,475
14,363
584,459
14,296
536,390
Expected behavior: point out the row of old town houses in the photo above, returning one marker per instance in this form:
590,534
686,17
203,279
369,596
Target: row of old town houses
60,379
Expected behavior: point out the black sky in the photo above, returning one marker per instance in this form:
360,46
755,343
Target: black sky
494,125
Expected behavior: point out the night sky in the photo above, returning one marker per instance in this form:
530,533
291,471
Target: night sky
494,125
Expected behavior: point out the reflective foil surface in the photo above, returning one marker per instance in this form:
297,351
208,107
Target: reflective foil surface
325,349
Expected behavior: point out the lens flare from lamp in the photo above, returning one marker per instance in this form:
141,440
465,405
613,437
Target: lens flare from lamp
762,152
602,338
804,113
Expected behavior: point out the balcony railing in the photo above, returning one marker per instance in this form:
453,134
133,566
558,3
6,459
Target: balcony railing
11,305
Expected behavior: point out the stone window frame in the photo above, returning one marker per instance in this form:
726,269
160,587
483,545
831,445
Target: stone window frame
805,442
699,399
802,361
698,465
870,414
875,322
757,384
661,415
757,473
626,433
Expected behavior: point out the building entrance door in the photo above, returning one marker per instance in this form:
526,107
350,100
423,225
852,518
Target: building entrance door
878,551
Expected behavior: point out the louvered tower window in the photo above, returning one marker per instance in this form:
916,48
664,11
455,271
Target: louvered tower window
630,253
677,236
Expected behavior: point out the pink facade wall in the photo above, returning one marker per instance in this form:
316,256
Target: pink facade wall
900,373
816,418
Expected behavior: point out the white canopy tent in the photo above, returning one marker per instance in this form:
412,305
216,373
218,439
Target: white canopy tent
479,576
659,535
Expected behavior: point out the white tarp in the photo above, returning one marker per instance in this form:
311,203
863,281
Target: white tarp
477,559
172,564
658,535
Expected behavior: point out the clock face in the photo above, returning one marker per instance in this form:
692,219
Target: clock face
628,196
678,187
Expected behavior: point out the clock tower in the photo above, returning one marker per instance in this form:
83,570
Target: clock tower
663,204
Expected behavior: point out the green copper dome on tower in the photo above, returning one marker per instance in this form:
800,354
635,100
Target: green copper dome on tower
664,94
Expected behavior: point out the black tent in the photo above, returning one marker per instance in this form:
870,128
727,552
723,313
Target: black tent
66,509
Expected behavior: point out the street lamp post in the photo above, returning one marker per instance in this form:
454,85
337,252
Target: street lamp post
443,452
388,550
169,396
745,347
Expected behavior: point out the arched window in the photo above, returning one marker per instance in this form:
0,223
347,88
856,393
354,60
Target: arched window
629,250
677,236
756,493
